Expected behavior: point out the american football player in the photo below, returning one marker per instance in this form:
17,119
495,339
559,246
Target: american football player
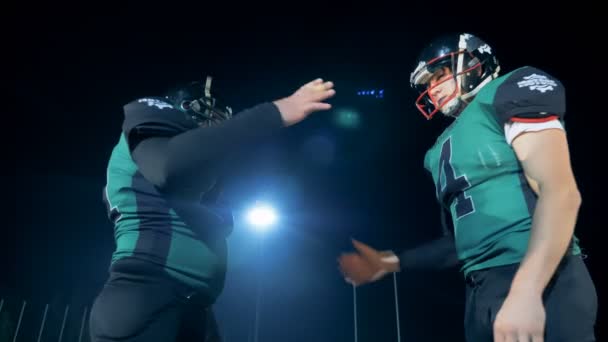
503,178
163,195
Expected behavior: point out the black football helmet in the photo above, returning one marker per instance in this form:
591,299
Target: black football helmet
473,65
196,101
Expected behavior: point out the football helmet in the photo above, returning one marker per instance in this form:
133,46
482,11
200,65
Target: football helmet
196,101
472,63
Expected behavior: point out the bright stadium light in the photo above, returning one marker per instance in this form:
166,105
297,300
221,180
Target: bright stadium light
261,217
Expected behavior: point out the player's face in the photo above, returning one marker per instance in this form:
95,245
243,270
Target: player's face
442,87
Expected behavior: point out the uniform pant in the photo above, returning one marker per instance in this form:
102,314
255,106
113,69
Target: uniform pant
140,302
570,302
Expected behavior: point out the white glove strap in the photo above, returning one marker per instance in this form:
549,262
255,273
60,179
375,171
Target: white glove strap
391,259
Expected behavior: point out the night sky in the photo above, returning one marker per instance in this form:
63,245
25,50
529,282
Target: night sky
330,182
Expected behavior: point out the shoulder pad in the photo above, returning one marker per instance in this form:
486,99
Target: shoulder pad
530,94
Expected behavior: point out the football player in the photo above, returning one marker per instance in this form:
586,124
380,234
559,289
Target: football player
502,174
163,195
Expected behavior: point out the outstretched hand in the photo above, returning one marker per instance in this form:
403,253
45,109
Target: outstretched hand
305,101
367,264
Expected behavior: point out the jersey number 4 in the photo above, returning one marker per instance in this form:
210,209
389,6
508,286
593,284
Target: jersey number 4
448,185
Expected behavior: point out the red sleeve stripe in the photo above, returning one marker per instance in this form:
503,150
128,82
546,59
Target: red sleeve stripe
545,119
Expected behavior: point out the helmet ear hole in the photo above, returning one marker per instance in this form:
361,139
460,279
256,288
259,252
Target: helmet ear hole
185,105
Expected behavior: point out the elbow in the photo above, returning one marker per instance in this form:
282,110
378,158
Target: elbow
163,179
156,174
172,178
570,199
565,196
575,198
571,196
162,186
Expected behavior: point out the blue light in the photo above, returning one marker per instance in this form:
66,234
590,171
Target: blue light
377,93
262,217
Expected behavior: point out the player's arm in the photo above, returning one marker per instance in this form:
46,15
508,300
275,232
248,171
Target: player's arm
190,158
535,102
437,254
545,159
173,156
546,162
531,104
368,264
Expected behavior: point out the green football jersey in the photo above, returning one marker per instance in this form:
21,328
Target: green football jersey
187,237
477,175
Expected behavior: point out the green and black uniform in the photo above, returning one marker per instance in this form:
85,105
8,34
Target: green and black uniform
481,184
477,175
170,224
479,181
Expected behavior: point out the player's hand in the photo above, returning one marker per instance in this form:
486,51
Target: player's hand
306,100
520,318
367,265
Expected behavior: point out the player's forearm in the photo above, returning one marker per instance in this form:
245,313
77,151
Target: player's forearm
195,156
435,255
552,231
210,144
193,159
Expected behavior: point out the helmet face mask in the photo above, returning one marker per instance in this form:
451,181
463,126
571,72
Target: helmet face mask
195,100
471,62
206,110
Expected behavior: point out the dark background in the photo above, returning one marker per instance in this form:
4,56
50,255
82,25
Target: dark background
77,67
